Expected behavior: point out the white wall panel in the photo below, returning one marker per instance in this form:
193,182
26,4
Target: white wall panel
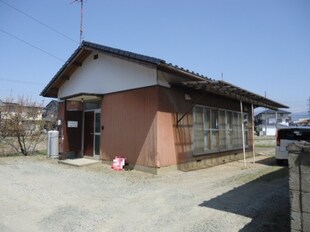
107,74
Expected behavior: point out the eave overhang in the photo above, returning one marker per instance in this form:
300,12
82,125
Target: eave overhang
228,90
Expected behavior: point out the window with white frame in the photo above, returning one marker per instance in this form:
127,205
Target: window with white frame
218,130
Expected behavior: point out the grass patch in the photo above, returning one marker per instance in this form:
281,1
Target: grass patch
265,146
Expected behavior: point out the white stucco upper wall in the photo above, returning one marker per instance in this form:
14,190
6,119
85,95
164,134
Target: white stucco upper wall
107,74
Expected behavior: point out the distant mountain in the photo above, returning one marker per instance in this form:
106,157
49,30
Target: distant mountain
297,116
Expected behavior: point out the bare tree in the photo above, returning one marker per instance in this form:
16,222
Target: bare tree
21,124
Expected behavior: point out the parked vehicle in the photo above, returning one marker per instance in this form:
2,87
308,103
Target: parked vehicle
286,136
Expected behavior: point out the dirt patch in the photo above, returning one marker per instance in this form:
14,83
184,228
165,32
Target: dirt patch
38,194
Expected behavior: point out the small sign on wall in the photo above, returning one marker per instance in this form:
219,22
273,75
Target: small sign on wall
72,124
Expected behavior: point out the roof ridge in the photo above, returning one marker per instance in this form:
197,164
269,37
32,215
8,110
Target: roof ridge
138,56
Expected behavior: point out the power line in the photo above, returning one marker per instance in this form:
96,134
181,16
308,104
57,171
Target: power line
21,82
38,21
31,45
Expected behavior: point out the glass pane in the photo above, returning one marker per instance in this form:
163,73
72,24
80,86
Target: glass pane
246,129
214,119
198,130
240,142
97,144
91,105
235,128
207,141
97,122
206,118
214,140
222,128
229,131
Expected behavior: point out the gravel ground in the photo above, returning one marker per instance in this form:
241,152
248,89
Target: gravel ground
37,194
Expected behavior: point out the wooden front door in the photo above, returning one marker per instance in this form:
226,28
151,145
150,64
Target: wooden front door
74,131
89,133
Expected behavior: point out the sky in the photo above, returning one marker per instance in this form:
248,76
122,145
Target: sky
262,46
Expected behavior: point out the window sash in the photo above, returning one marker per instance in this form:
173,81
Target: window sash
216,130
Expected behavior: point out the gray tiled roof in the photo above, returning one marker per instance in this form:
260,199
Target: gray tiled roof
124,53
193,81
120,53
135,56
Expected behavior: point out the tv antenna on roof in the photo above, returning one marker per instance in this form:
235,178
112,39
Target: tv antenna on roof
81,19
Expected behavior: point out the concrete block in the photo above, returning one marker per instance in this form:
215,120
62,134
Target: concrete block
292,230
305,199
293,160
305,182
306,222
306,148
295,200
294,181
305,160
295,220
294,147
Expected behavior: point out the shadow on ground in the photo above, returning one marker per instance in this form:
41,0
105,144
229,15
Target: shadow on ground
265,200
269,161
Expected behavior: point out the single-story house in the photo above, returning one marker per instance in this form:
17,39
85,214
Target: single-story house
118,103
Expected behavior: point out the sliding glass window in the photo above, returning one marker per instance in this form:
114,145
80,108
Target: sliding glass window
218,130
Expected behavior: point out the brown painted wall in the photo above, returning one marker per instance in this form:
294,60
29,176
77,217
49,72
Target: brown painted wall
129,120
166,149
174,142
141,125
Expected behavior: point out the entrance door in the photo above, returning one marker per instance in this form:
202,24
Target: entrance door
92,132
74,131
89,133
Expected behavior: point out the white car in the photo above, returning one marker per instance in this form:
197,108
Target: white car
286,136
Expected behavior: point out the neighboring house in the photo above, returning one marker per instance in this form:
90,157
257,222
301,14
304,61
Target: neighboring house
27,114
50,114
118,103
268,121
